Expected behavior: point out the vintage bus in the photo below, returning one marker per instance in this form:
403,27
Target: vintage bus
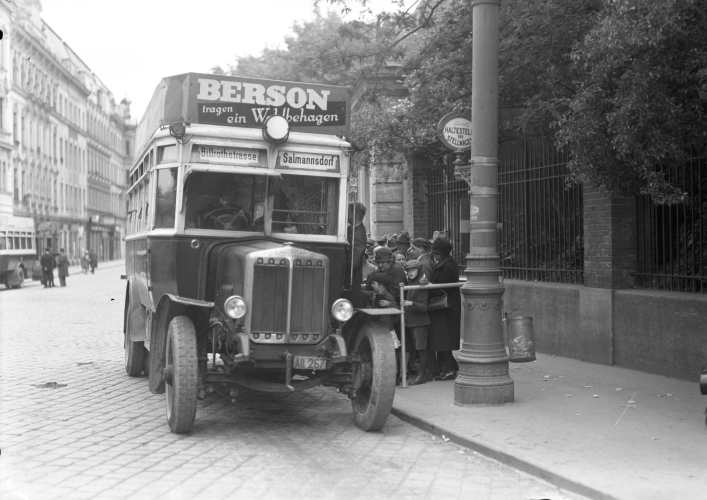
18,254
236,248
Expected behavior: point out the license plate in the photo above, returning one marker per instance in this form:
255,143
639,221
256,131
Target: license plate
308,363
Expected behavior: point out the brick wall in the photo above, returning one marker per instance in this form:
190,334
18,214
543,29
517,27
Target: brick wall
609,240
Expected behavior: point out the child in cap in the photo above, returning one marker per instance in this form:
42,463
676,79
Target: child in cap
417,321
380,298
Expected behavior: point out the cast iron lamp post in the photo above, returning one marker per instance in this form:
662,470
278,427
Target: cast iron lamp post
483,363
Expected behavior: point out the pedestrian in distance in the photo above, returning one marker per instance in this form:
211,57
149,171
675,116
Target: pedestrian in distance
62,264
85,261
356,254
48,264
417,321
445,324
93,260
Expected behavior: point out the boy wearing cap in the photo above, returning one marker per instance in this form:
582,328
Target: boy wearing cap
380,297
417,321
395,274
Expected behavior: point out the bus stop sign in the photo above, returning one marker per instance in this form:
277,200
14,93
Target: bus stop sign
455,131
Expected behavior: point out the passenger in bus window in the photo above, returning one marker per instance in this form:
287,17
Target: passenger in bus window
302,199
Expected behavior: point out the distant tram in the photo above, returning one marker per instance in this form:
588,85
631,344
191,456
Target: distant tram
18,254
236,248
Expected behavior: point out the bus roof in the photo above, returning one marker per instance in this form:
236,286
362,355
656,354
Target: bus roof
235,101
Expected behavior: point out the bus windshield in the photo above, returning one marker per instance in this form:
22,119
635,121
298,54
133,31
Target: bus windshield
224,201
299,204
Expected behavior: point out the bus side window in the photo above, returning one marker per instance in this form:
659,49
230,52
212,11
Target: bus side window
3,242
139,206
165,198
23,243
17,242
131,214
146,204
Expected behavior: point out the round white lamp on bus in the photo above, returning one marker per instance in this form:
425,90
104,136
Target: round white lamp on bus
276,129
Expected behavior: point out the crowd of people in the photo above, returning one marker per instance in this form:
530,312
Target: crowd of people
432,317
60,262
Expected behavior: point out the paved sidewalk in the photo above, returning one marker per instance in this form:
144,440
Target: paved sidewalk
76,269
601,431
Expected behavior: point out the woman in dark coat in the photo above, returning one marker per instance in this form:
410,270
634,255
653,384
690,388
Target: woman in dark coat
445,324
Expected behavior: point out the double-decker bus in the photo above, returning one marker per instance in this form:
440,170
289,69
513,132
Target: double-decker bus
18,254
236,248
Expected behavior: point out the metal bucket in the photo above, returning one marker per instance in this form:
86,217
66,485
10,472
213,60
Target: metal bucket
521,340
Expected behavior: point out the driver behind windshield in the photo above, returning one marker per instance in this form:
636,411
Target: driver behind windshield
223,202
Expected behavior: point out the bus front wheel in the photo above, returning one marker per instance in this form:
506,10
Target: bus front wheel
181,374
374,377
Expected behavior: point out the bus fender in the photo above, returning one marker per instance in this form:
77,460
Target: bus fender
168,307
361,317
136,311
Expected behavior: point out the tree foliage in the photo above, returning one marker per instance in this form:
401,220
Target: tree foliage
621,83
641,104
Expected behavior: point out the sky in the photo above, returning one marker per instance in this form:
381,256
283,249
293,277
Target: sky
132,44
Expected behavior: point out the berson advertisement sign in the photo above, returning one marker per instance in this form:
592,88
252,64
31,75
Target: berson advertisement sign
245,102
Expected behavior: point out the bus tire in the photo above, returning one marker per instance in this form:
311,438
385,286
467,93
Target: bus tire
181,374
19,278
376,375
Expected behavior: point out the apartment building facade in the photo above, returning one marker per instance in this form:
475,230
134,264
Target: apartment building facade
65,144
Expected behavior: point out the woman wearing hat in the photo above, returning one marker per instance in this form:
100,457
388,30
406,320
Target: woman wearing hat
445,324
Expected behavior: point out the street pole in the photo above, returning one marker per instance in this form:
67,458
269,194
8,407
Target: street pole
483,363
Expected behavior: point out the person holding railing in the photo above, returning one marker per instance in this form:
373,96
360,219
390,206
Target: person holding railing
417,321
445,324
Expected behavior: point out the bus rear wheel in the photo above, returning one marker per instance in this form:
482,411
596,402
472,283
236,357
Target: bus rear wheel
181,374
374,377
135,352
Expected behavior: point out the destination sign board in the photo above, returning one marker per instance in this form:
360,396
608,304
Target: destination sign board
307,161
230,156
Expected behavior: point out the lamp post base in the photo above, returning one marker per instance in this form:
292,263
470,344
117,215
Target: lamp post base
483,384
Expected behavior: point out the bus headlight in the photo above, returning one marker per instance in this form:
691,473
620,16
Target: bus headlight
235,307
342,310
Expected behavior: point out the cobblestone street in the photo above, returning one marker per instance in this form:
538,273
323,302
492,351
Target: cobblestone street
74,425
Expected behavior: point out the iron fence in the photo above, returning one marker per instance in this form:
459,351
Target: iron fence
446,198
542,235
671,243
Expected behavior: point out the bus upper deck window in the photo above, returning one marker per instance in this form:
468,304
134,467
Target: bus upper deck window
23,243
17,242
3,242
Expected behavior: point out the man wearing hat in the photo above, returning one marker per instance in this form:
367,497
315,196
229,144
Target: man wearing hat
356,255
395,274
48,264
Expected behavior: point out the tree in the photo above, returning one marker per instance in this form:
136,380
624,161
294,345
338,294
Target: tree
641,103
295,62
